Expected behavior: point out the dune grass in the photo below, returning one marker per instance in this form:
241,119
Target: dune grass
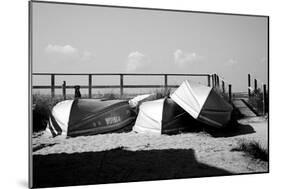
162,93
256,100
253,149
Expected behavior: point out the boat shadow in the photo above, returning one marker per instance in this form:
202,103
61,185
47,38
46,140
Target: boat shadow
233,128
118,165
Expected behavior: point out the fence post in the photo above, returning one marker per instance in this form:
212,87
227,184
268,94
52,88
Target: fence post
121,85
53,85
90,86
229,93
63,90
215,77
264,100
218,80
165,82
256,85
215,84
213,80
223,88
249,85
209,80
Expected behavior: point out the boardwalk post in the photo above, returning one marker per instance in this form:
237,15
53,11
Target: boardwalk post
249,85
256,85
264,100
77,93
229,93
218,81
166,82
213,80
223,88
63,90
209,80
121,85
212,76
90,86
53,85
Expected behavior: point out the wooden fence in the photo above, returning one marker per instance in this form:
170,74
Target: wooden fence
222,85
212,80
252,91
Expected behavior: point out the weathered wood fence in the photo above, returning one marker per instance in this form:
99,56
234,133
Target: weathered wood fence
223,86
212,80
256,89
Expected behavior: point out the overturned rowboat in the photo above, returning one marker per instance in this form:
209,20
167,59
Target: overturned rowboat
203,103
162,116
82,117
190,104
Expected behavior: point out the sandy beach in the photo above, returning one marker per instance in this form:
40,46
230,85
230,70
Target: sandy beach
126,157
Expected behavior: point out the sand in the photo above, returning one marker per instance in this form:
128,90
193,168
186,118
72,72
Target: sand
124,157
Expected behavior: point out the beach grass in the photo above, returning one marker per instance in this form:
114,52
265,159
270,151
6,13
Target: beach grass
253,149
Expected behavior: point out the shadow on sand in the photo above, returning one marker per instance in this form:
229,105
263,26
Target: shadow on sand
233,128
118,165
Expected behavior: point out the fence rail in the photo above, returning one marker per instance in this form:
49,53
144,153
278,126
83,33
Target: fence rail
122,77
213,80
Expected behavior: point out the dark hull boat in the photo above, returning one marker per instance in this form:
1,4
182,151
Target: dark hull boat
82,117
162,116
203,103
192,104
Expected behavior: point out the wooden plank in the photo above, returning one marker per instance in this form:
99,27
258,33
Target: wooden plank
223,87
121,85
104,86
229,93
125,74
213,80
264,100
53,85
166,82
249,85
243,108
64,90
90,86
216,80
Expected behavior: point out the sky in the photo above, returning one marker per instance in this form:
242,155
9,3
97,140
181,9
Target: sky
90,39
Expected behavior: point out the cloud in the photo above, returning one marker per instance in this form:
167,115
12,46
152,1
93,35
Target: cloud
136,61
66,49
184,58
67,53
231,62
